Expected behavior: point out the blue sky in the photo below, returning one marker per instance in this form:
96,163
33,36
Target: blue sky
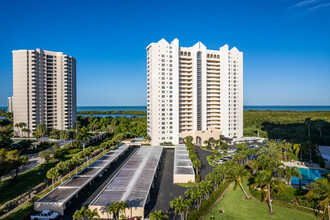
286,43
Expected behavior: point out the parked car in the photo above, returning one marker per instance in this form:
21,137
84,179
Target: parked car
46,214
253,146
231,151
220,151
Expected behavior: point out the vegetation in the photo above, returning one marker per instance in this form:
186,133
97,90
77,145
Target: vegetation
112,112
158,215
197,163
181,206
117,208
25,181
320,190
294,126
235,206
83,212
10,162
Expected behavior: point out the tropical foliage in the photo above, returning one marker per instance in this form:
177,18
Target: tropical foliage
83,212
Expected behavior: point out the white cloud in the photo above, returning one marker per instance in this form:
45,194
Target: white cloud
319,6
303,3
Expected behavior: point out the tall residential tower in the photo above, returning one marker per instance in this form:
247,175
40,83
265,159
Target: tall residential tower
193,91
44,90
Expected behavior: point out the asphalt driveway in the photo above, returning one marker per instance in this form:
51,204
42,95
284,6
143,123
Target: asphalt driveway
164,190
206,167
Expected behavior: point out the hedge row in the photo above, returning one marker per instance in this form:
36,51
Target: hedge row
207,204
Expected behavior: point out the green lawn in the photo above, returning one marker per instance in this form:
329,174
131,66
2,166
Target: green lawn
236,207
25,181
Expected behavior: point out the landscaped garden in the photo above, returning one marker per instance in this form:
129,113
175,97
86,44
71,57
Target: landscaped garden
235,206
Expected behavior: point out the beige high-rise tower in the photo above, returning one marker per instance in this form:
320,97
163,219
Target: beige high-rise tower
193,91
44,90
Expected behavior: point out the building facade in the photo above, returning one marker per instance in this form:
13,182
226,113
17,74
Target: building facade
44,90
193,91
10,104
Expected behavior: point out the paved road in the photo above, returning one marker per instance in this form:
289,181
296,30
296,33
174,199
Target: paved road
206,167
164,190
86,196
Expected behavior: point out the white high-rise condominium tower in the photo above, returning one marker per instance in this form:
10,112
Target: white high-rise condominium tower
10,104
193,91
44,90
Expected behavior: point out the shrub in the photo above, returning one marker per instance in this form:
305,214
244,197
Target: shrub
74,151
56,146
206,204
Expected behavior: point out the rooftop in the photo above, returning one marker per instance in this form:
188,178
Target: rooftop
72,186
133,182
182,163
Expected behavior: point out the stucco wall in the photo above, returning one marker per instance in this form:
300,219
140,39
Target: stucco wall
183,178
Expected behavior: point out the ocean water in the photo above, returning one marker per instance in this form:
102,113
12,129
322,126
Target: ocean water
112,108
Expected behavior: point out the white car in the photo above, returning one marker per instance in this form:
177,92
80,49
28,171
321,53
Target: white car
231,151
46,214
220,151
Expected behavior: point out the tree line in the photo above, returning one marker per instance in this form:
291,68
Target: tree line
264,171
112,112
294,126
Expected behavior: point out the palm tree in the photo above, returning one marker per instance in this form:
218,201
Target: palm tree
41,130
114,208
240,157
189,139
268,183
290,172
78,125
79,214
83,136
123,207
158,215
26,130
72,135
207,142
310,147
308,122
239,173
91,214
254,166
319,124
272,151
193,195
320,189
64,135
52,174
286,146
20,126
296,148
197,164
180,205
